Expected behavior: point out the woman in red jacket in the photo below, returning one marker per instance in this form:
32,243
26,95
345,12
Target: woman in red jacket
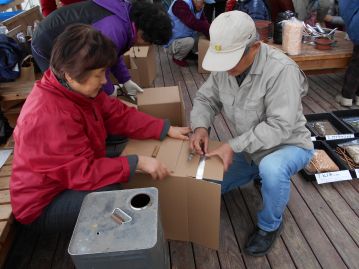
60,135
47,6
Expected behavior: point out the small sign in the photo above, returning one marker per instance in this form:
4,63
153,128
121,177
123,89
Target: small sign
339,136
313,138
333,176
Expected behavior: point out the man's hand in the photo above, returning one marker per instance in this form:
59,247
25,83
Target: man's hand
156,169
132,88
225,152
199,141
179,132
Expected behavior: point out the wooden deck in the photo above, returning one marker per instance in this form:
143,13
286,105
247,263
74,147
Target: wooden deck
321,224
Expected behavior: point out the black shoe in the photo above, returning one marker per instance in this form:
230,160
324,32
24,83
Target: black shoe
260,242
191,56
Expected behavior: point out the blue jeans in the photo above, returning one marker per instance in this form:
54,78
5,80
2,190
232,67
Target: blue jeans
275,170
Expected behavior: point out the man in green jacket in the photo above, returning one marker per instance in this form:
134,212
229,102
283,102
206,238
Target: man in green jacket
260,89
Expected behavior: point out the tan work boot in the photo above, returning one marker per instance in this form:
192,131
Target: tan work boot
343,101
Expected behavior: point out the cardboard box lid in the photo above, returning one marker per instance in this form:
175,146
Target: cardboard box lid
129,62
178,164
138,51
160,95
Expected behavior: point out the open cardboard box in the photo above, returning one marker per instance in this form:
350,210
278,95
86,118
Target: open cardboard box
203,44
145,60
132,69
163,102
190,208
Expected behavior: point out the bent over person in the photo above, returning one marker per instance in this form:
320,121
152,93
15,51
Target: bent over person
60,135
122,22
259,89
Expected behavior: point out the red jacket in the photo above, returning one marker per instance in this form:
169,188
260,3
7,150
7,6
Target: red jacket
60,144
47,6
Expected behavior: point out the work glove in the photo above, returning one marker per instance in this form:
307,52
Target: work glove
132,88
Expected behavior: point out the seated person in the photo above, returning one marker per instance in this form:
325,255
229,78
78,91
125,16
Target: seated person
48,6
311,11
60,135
124,23
187,19
256,9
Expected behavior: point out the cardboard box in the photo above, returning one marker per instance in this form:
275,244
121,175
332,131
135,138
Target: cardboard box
203,44
145,59
132,69
190,208
163,102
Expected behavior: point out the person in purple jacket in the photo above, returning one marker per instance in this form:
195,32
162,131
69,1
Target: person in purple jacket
123,22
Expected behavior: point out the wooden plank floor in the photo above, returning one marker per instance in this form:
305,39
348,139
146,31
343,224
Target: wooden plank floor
321,222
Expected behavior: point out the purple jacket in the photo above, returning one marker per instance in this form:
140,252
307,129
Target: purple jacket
120,30
111,17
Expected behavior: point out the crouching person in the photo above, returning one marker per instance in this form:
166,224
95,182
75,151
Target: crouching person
187,20
259,89
60,135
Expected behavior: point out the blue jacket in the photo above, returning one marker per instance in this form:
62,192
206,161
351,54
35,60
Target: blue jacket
179,29
10,56
349,11
257,9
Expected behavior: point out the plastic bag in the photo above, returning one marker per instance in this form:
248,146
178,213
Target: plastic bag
352,148
321,163
292,36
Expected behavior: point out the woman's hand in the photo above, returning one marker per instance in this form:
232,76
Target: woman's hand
155,168
179,132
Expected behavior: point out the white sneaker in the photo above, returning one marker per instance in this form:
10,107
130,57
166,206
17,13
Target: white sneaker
344,101
356,100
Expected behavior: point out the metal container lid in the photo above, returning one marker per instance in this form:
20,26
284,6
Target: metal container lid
116,221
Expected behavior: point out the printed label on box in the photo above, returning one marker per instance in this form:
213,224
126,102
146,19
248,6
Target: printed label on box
339,136
333,176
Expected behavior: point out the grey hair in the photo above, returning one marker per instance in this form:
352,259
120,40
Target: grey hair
250,44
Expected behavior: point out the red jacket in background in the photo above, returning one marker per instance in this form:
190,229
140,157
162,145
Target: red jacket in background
47,6
60,144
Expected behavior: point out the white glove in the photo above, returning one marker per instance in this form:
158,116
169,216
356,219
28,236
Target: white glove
132,88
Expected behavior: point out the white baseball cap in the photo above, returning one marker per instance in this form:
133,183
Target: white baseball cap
229,33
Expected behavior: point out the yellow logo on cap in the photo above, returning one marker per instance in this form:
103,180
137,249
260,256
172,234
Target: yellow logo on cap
217,47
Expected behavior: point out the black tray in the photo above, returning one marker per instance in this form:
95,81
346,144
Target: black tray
323,145
342,114
337,124
333,145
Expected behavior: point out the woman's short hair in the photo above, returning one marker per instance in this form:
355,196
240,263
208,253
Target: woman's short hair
153,20
80,49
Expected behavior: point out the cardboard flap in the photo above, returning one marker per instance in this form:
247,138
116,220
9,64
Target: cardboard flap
160,95
139,51
141,147
204,201
169,152
129,62
213,169
174,154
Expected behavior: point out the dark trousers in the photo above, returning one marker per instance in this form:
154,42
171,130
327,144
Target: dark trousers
351,78
61,214
217,7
